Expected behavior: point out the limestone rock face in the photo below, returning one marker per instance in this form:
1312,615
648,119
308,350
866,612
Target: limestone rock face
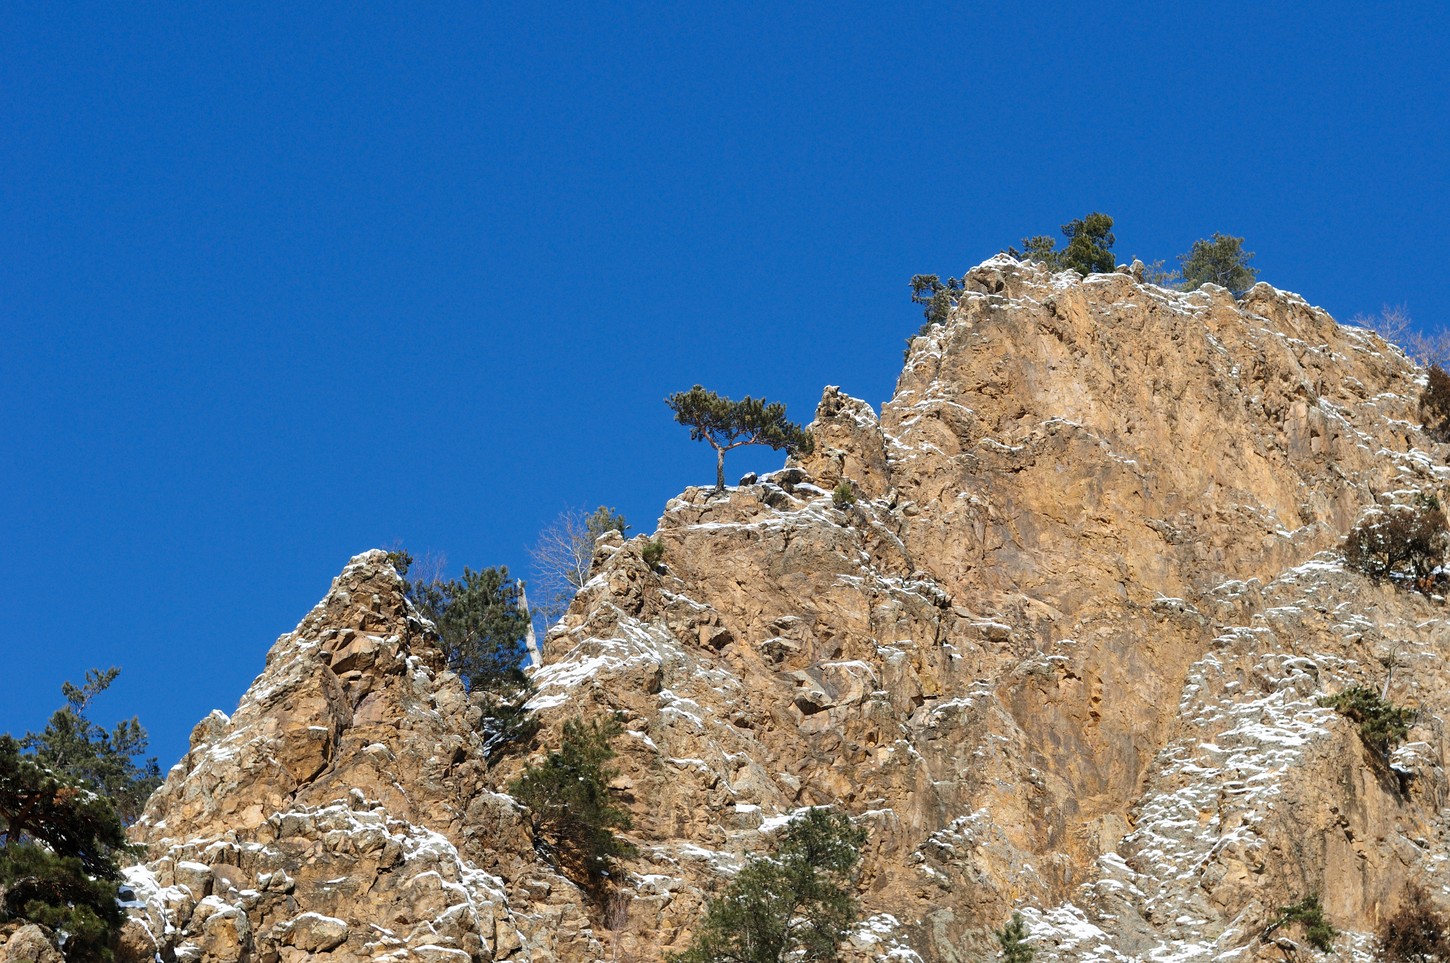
1064,655
343,811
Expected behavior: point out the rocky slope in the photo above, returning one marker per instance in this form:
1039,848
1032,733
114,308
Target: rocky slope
1063,655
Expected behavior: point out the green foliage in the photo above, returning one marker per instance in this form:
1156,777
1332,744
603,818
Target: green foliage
795,904
844,496
58,862
56,892
76,747
1405,542
1154,272
1309,915
401,560
1415,933
728,424
482,625
603,520
938,297
1089,247
653,553
1218,260
1382,724
571,811
1042,249
1089,244
1013,940
1435,404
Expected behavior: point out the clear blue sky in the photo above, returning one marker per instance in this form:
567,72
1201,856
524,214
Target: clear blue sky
280,283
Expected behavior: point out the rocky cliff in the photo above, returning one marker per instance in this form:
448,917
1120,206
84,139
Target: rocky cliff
1064,654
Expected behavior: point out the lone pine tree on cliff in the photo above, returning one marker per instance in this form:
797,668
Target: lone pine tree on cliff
728,424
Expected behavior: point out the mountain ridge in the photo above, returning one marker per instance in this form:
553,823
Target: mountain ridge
1064,655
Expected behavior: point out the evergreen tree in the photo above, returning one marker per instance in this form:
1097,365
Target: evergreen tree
1089,247
482,626
1013,940
1218,260
728,424
58,859
571,810
76,747
1382,724
1042,249
1089,244
796,904
1308,915
938,297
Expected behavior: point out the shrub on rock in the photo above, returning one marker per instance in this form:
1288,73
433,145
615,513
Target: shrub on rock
1415,933
1402,541
1435,404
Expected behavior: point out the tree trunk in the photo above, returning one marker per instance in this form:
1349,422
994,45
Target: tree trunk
719,469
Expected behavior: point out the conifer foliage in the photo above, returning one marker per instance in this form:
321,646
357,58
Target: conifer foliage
796,904
482,625
728,424
1219,260
1089,247
60,829
72,744
1012,938
571,810
1306,917
936,296
1382,724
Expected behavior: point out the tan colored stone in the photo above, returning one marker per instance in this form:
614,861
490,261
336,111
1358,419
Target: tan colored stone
1063,655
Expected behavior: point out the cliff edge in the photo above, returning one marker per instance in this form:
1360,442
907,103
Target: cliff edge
1064,654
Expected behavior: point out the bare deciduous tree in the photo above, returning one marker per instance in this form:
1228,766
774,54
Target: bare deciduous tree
1394,324
562,555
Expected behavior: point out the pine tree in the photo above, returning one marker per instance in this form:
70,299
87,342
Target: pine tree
1308,915
1013,940
1089,244
1089,247
1218,260
937,297
728,424
58,863
76,747
571,810
482,626
797,904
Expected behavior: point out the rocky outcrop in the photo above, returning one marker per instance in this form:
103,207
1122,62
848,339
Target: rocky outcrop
1064,654
344,811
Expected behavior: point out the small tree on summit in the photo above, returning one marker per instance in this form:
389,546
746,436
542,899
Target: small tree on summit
1089,248
1221,260
728,424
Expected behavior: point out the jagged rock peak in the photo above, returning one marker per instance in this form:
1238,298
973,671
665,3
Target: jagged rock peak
1064,651
343,811
358,681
